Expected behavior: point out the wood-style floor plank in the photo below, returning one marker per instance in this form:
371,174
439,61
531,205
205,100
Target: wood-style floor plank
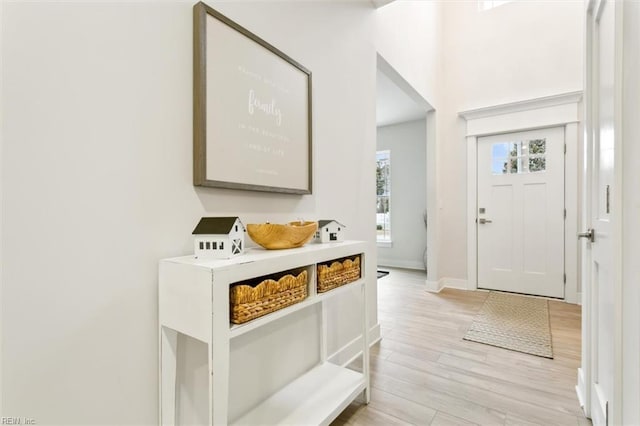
423,373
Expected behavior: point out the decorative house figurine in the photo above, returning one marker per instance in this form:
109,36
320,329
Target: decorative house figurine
329,231
218,238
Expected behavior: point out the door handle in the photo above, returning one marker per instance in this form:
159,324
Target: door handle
590,234
482,221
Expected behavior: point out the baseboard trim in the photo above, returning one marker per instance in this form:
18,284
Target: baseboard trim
581,391
436,286
352,350
433,286
579,298
404,264
454,283
598,407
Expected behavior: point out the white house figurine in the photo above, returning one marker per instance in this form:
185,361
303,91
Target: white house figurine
329,231
218,238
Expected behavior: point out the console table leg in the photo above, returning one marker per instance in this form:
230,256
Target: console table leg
365,342
219,359
168,351
218,386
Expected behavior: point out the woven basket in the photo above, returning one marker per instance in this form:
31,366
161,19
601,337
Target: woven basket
247,302
340,272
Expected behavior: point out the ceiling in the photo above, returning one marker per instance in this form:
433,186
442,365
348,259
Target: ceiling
393,105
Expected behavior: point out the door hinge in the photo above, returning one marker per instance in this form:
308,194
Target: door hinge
564,279
565,213
565,148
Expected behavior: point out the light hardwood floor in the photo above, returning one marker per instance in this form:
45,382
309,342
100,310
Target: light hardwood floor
423,373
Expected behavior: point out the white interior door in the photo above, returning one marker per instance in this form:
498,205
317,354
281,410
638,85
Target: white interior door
520,212
600,269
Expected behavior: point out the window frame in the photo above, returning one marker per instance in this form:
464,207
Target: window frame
521,159
384,241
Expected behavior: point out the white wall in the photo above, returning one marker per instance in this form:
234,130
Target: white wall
96,183
517,51
409,37
407,143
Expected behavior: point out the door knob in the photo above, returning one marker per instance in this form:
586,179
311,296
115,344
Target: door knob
483,221
590,234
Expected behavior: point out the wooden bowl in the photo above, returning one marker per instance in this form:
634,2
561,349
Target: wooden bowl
273,236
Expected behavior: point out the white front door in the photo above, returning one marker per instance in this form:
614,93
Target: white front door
520,212
599,254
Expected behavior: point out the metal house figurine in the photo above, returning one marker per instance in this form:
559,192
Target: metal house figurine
329,231
218,238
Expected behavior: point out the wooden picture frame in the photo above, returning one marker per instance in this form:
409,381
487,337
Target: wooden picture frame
252,122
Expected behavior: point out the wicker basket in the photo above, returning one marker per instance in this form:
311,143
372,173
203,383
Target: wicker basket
339,272
247,301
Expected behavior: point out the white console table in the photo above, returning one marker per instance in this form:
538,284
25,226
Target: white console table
194,300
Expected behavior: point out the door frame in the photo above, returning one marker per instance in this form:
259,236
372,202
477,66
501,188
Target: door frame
562,110
431,164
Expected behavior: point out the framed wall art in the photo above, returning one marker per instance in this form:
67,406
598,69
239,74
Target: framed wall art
252,110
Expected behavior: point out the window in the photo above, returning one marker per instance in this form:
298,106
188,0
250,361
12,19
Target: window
201,245
236,246
214,246
208,245
221,245
490,4
383,195
519,157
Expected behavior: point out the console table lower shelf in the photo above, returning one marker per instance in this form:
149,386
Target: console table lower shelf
316,397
